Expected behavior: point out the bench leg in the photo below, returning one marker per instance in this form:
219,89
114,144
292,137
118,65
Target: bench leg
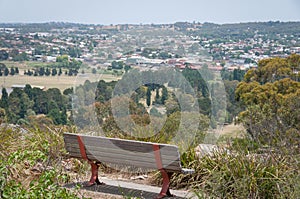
165,190
94,178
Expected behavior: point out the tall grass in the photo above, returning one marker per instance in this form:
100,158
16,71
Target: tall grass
31,164
241,175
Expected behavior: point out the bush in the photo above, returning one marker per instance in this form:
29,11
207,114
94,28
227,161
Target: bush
30,165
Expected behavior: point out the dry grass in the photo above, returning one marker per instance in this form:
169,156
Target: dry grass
61,82
233,130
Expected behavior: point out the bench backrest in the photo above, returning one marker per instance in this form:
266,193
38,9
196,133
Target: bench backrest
124,152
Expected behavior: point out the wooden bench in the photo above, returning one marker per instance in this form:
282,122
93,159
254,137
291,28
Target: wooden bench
96,150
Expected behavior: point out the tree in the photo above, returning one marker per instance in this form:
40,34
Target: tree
57,116
68,91
238,74
52,105
74,52
94,71
75,64
127,68
63,59
63,117
60,72
54,114
12,71
13,53
3,55
28,91
272,104
41,71
109,57
148,96
6,72
2,66
20,57
18,104
270,70
117,65
54,72
40,101
164,95
294,63
4,99
55,95
47,72
36,36
234,107
163,55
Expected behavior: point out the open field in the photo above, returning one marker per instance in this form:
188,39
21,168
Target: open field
61,82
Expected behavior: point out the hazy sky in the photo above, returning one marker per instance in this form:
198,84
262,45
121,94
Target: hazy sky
150,11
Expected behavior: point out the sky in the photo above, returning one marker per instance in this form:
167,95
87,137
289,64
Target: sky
149,11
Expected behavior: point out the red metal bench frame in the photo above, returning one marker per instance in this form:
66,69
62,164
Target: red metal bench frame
165,190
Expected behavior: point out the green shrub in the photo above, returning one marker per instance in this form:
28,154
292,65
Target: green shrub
30,164
44,187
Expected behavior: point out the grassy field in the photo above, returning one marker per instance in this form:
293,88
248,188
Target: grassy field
61,82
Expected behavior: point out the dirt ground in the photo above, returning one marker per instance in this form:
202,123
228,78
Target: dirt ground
120,185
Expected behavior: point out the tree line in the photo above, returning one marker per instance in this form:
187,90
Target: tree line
42,71
4,71
21,105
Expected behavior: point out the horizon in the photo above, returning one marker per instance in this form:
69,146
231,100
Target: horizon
78,23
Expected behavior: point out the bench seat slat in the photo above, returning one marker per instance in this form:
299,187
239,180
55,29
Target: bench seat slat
104,157
125,145
74,136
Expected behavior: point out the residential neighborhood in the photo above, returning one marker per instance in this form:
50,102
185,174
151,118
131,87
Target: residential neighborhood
164,45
